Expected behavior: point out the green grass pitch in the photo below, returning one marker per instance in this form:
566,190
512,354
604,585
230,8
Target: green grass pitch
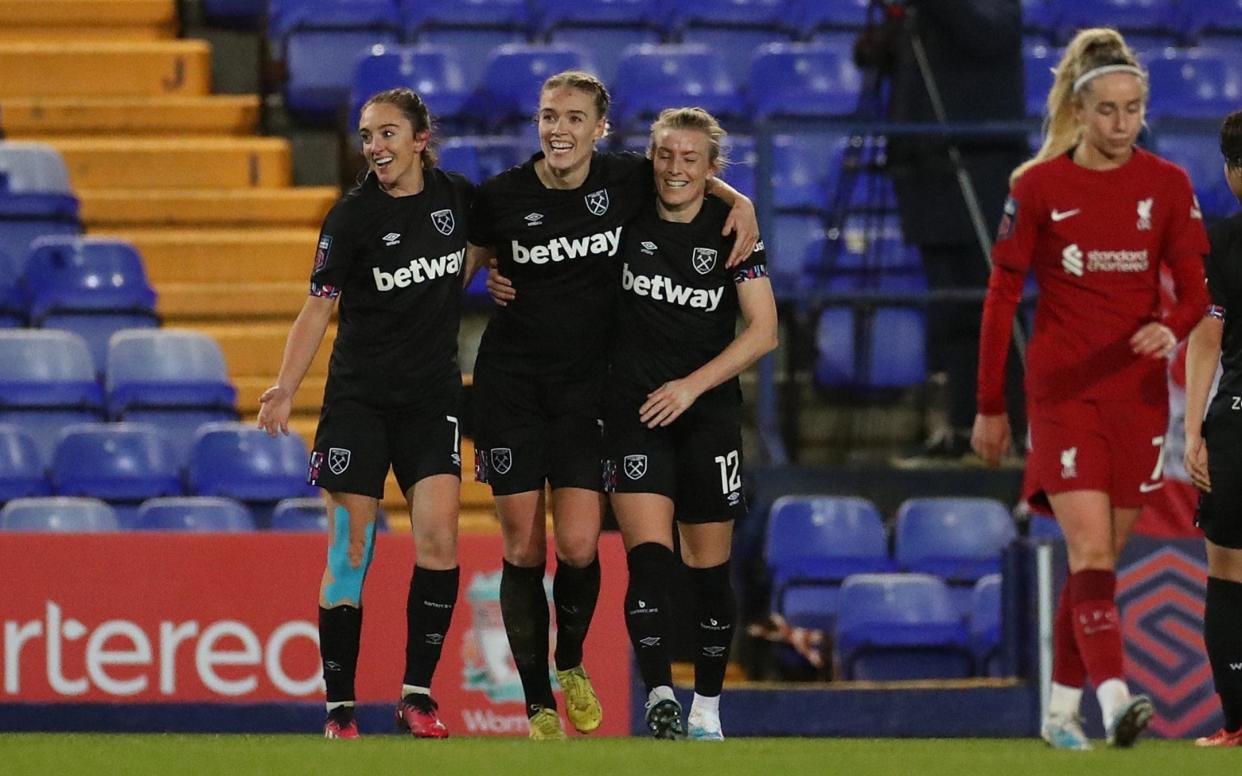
234,755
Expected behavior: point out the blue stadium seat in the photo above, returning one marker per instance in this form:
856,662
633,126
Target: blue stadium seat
1142,21
473,28
814,15
1039,20
321,41
1210,20
21,468
802,166
1198,152
900,626
740,173
168,368
479,157
121,463
92,286
12,296
864,244
198,514
1037,63
434,72
47,380
58,514
812,606
1198,83
818,541
803,79
239,461
835,348
735,28
514,74
957,539
985,625
36,198
605,44
300,514
1044,527
651,78
893,348
787,245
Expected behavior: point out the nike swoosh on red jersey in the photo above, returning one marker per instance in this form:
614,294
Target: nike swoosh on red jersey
1061,215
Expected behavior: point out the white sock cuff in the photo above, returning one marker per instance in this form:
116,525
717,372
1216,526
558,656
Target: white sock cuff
661,693
1064,699
337,704
407,689
706,703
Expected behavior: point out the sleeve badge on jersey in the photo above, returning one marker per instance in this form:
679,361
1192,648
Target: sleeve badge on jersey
1008,220
443,221
1216,311
321,252
1196,212
704,260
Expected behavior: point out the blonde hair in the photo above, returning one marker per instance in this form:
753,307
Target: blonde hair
1090,49
692,118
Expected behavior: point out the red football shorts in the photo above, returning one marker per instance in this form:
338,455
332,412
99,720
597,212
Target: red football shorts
1113,446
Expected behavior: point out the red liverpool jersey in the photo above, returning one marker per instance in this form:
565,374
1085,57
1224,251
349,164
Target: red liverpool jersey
1095,240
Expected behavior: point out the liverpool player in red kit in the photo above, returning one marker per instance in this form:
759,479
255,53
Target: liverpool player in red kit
1095,217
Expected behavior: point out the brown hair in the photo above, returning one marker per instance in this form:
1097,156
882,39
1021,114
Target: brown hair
415,110
1090,48
1231,139
693,118
586,83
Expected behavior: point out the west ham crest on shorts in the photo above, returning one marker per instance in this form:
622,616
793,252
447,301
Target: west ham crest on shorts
635,466
502,460
338,460
443,220
704,260
597,202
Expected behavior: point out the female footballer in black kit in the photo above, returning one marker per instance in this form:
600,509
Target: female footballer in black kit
672,415
393,250
1214,447
554,224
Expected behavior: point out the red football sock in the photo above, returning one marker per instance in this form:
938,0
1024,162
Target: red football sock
1097,625
1067,665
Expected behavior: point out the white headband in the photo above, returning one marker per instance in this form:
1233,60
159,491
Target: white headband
1105,70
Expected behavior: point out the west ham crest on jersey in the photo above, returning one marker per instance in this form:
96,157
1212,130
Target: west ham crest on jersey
443,220
704,260
597,202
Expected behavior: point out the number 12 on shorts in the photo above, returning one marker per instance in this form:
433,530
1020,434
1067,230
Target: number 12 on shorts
730,472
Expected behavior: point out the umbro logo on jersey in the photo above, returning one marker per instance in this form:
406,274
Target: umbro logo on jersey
1061,215
1071,259
563,248
391,239
665,289
443,221
649,247
597,202
534,219
704,260
420,270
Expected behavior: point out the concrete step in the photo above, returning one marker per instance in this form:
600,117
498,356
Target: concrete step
244,256
104,68
35,118
126,208
90,20
176,163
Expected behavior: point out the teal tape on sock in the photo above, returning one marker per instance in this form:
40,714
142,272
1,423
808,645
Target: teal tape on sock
346,585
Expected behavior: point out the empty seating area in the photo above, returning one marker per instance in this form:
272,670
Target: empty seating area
915,597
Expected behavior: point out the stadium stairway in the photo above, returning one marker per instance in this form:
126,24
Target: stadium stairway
185,175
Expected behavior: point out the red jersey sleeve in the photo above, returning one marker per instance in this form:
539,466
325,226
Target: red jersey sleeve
1011,258
1183,246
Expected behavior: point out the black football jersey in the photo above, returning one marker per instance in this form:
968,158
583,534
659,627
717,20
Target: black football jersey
679,304
1224,279
559,248
397,264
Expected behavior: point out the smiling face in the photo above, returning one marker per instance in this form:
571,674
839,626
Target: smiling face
569,125
392,150
683,165
1111,116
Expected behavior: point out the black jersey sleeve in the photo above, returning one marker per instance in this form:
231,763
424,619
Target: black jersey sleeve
481,229
466,193
635,177
1224,239
755,265
334,253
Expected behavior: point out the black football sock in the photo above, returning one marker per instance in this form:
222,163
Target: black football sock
647,611
1222,632
715,611
574,592
340,632
524,606
428,612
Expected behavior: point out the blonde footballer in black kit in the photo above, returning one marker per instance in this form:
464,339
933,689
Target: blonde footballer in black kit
1214,444
554,226
393,251
672,414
